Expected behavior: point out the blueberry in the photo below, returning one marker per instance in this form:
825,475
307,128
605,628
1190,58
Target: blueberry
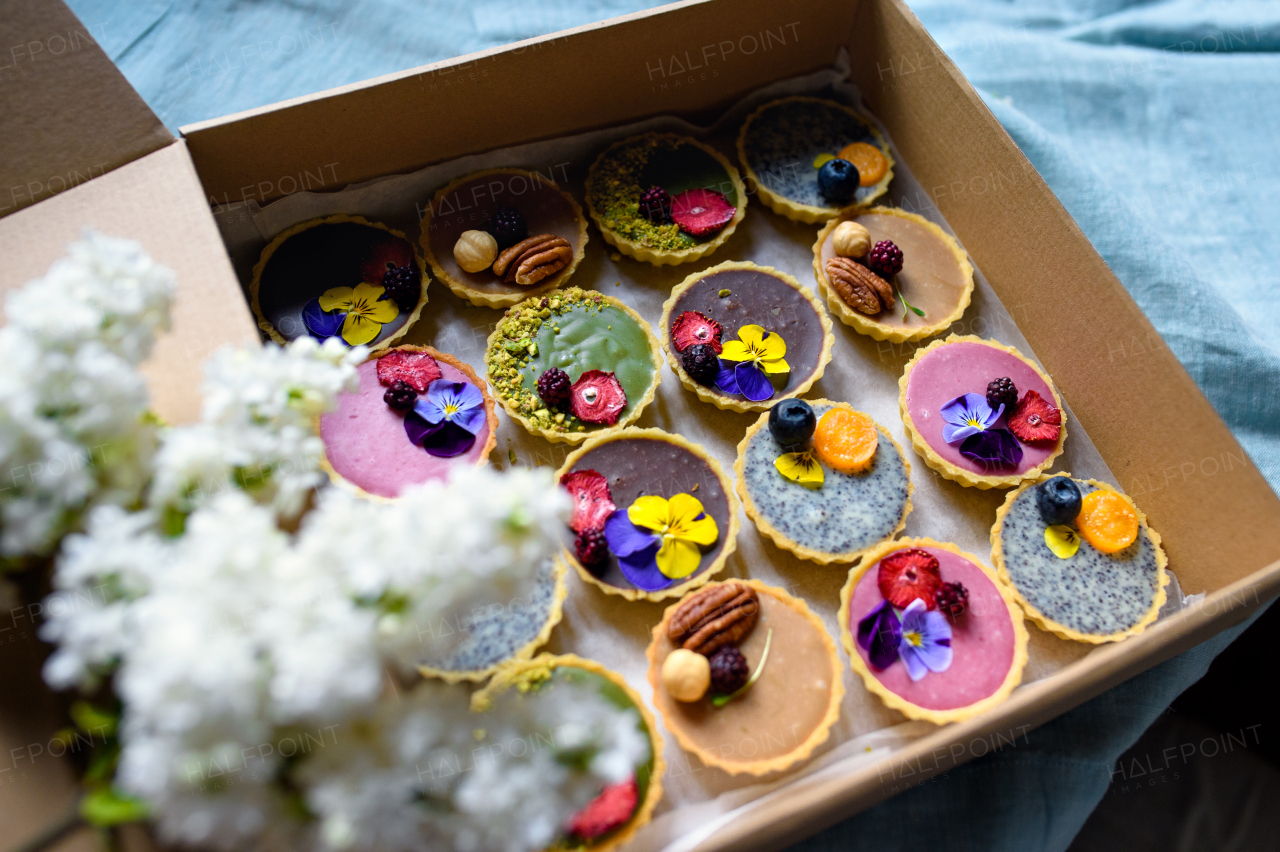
838,180
1058,500
791,422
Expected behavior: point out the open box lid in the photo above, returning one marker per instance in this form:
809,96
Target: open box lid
80,148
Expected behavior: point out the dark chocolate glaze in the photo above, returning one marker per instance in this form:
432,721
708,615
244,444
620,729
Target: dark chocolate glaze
758,298
638,466
320,258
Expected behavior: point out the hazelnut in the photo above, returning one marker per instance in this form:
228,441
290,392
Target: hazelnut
475,251
686,675
849,240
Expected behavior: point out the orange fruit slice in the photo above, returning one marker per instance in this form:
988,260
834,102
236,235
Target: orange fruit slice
1108,521
869,160
845,440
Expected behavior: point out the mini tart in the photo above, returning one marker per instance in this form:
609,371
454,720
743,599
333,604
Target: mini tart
542,672
467,202
989,641
850,514
946,369
573,330
304,261
936,275
1090,597
784,716
474,645
779,142
757,295
365,446
651,461
676,163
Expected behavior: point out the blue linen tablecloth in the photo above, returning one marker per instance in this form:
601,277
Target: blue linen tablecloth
1155,124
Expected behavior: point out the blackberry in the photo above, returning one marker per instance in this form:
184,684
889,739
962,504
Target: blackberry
1002,392
403,285
592,550
655,205
554,387
885,259
400,396
507,226
952,599
701,362
729,671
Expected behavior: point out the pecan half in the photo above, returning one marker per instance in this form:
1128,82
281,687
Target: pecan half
859,287
531,260
718,616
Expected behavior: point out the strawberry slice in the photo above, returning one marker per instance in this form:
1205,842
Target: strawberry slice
606,812
416,369
908,575
592,502
692,327
597,397
1035,419
701,212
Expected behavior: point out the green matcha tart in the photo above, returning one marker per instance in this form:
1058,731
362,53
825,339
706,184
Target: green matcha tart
573,364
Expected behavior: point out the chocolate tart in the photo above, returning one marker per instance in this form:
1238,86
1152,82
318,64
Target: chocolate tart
752,295
784,715
780,142
988,641
473,646
636,462
676,163
365,445
1091,596
545,672
301,263
575,331
467,202
936,276
850,514
946,369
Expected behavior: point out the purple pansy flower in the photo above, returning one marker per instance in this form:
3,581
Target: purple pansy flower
447,419
968,415
637,551
925,645
992,448
880,634
322,325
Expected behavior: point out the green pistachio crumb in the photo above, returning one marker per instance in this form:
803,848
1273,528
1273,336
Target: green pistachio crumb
724,293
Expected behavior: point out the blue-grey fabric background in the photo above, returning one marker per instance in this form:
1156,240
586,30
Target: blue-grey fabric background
1156,123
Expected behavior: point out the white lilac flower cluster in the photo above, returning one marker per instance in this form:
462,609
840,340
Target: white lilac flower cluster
260,662
73,425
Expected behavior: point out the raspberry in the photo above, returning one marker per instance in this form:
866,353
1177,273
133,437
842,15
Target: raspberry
597,397
606,812
1002,392
701,212
404,285
729,671
400,396
416,369
655,205
701,363
885,259
592,549
592,502
952,599
553,387
1035,419
908,575
692,327
507,226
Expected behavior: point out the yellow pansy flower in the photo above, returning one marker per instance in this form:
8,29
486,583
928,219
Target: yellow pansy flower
762,349
365,313
685,529
800,467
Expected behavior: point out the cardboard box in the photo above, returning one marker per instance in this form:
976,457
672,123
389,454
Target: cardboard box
1169,449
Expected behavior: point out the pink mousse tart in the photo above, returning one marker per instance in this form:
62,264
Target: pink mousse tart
980,413
931,630
417,414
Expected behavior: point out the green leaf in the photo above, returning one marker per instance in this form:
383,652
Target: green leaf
91,720
107,807
912,307
721,700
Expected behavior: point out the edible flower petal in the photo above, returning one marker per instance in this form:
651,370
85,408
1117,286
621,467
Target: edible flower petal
764,349
680,524
926,641
800,467
636,550
968,415
366,310
880,635
320,323
992,448
460,403
1062,540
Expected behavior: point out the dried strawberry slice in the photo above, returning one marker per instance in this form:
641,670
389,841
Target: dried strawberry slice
700,212
908,575
597,397
416,369
386,254
592,502
606,812
1035,419
691,328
